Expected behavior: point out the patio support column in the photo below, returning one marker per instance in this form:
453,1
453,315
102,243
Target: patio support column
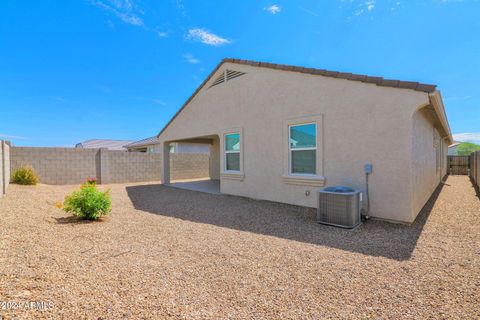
215,159
165,174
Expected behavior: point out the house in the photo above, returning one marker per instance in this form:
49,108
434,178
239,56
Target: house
145,145
452,149
280,132
151,145
103,143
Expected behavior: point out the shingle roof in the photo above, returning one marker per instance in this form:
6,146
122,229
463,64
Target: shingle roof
379,81
143,142
103,143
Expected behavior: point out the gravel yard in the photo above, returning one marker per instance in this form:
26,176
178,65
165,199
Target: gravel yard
172,253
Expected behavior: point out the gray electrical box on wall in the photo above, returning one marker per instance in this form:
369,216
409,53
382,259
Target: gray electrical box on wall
368,168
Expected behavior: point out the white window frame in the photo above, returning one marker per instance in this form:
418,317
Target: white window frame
290,149
226,152
231,174
299,179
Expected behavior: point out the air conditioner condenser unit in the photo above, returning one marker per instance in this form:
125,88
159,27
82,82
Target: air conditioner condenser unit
339,206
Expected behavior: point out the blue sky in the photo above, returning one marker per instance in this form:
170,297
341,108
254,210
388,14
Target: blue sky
75,70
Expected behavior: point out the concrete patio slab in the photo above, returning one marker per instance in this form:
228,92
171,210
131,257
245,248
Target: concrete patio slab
201,185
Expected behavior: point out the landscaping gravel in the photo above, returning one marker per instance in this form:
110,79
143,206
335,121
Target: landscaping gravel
172,253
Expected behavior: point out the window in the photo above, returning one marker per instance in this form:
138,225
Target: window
302,144
232,152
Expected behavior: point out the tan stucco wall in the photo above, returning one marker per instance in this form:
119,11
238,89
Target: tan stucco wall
215,159
425,174
362,123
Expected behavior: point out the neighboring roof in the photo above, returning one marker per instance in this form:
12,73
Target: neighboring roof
142,143
103,143
454,144
379,81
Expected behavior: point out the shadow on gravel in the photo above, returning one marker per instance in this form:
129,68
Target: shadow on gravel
75,220
475,187
374,238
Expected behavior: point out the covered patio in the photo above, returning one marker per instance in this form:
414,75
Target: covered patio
211,186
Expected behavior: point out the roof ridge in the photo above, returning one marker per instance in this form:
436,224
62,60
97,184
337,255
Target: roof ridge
379,81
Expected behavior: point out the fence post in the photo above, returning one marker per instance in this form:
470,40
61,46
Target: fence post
103,166
477,164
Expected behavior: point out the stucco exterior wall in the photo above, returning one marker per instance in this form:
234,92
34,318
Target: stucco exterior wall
362,123
192,148
427,171
215,159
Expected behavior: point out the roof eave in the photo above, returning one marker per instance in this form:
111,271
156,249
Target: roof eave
436,101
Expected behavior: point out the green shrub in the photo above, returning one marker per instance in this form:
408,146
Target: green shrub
465,148
88,203
25,175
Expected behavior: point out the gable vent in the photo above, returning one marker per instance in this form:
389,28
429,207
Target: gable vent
233,74
227,76
220,79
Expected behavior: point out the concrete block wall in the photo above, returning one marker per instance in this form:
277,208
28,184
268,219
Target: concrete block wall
189,166
4,166
57,165
74,166
132,166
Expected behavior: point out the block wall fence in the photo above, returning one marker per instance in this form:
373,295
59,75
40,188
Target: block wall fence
74,166
4,166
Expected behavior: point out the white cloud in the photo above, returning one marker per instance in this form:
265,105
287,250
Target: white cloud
311,12
201,35
162,34
467,137
457,98
189,57
181,8
358,7
125,10
131,19
370,5
159,102
8,136
273,9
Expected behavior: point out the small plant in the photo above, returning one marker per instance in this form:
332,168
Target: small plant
88,203
25,175
92,181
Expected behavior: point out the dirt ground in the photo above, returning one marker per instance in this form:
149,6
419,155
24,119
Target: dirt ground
172,253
